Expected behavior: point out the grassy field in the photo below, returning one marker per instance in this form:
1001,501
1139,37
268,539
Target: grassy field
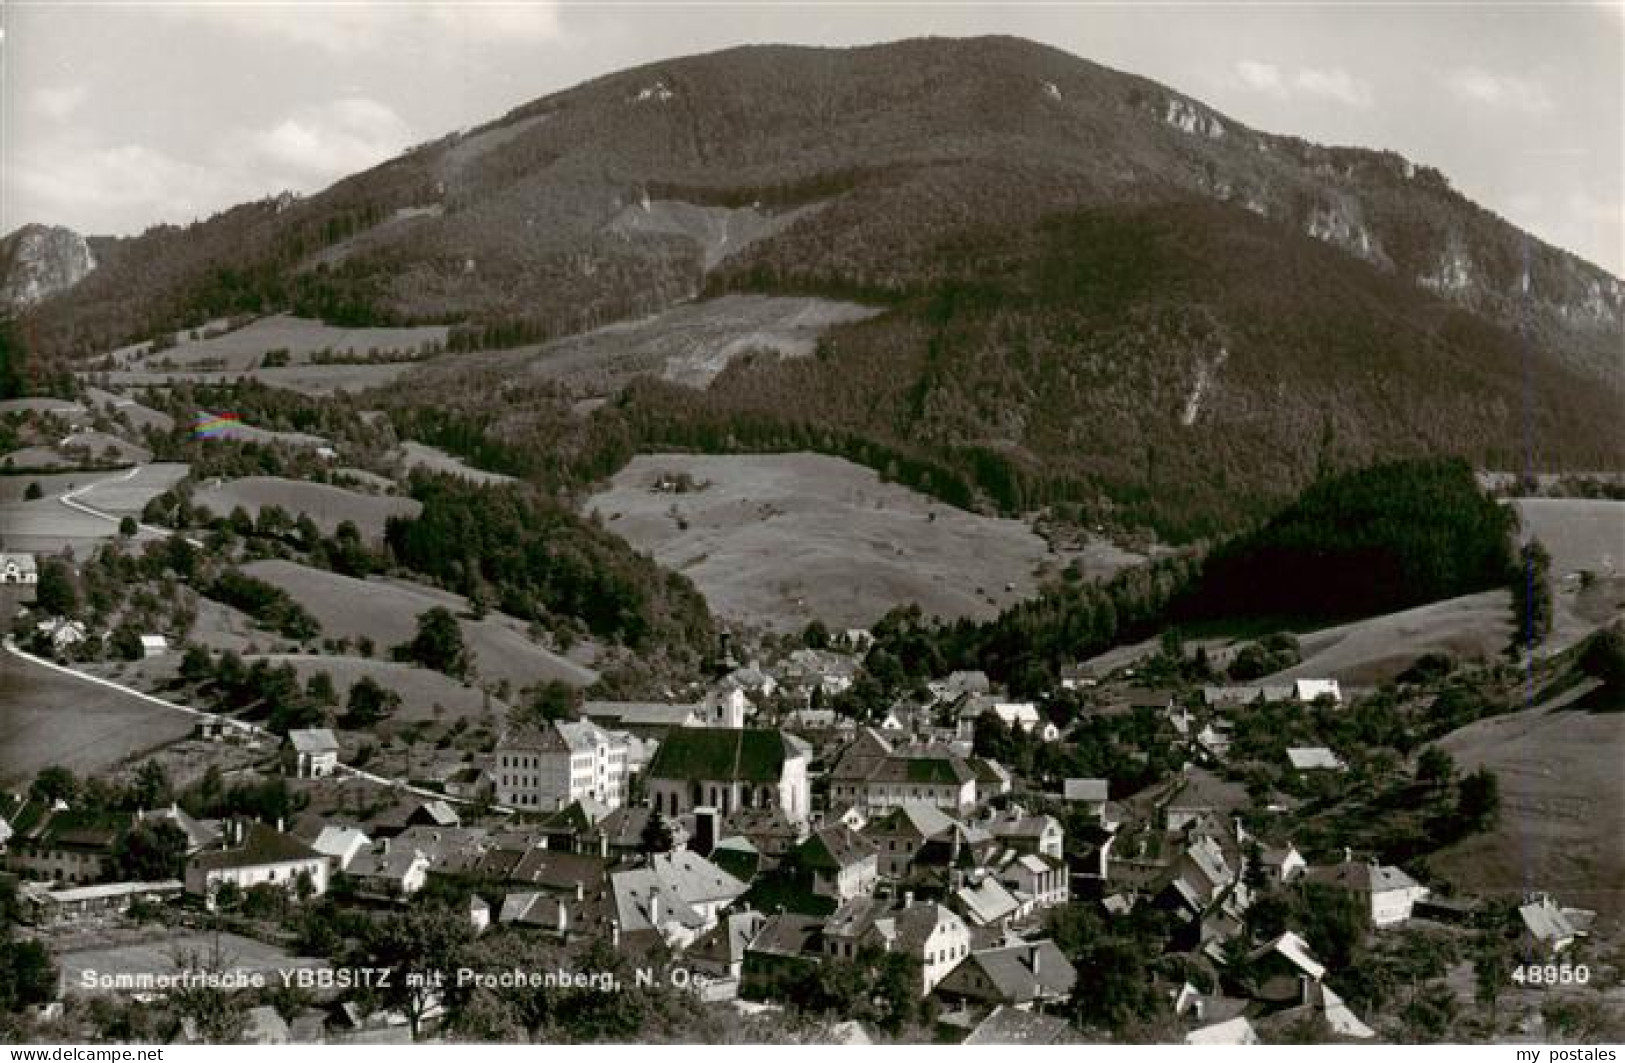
387,612
139,416
420,689
48,718
120,495
779,540
1562,825
66,408
689,344
245,347
1582,534
328,506
433,459
46,525
1369,652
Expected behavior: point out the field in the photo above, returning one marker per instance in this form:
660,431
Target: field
139,416
420,689
328,506
129,494
248,433
1582,534
387,612
48,718
1562,807
46,524
433,459
1373,651
157,956
779,540
689,344
66,408
300,337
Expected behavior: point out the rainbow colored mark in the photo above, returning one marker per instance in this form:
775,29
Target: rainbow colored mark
215,426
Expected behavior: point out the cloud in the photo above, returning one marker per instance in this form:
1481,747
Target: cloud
1332,83
354,28
57,102
331,140
95,187
1505,91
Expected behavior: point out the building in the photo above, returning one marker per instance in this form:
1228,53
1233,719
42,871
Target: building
552,767
153,646
1308,690
902,832
644,719
1389,893
58,844
1546,929
256,855
929,932
678,896
311,753
1020,975
874,774
18,568
731,769
45,906
389,870
1028,834
1314,758
1039,878
1092,794
842,863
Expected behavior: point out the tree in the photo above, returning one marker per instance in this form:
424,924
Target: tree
552,700
438,644
32,491
319,689
217,1014
1492,972
127,527
151,787
657,835
1435,766
150,851
422,944
1532,595
1479,799
369,702
54,784
816,636
196,665
55,593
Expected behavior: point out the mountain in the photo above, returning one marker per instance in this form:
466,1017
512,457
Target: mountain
1100,291
38,261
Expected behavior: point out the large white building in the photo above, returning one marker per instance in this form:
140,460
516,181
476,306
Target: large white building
549,768
256,855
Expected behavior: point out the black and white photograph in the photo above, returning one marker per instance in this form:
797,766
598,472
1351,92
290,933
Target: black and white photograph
734,523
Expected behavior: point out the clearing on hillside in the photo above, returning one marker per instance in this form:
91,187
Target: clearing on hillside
1562,807
779,540
300,337
53,719
413,455
1582,534
327,505
315,380
387,611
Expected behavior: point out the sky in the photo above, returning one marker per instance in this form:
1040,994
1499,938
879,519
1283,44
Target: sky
116,116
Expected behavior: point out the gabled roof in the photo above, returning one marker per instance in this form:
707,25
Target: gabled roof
642,713
261,845
198,834
1024,826
734,754
925,767
726,942
912,819
558,871
789,934
1204,790
695,879
643,901
834,848
391,864
1295,949
1314,758
313,740
1012,1026
987,902
1545,921
1361,876
1009,970
1237,1031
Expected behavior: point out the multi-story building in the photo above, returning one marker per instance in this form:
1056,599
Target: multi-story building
552,767
731,770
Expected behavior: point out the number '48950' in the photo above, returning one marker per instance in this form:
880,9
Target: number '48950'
1551,974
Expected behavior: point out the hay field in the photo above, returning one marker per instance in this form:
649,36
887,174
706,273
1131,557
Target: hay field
315,380
387,611
778,540
1562,824
420,689
243,348
327,505
49,718
414,455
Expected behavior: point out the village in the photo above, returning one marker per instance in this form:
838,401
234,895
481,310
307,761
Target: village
772,848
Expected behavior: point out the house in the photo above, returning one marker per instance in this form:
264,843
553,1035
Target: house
389,870
1280,968
842,863
824,671
1547,929
534,910
63,633
720,953
1319,1002
1040,878
57,844
1013,1026
1021,974
931,933
1311,690
1314,758
311,753
875,774
199,835
1023,716
1027,834
899,834
153,646
18,568
564,761
787,947
731,768
414,812
255,855
992,778
1092,794
1283,864
1389,893
1078,677
340,844
1201,793
959,685
677,895
1235,697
